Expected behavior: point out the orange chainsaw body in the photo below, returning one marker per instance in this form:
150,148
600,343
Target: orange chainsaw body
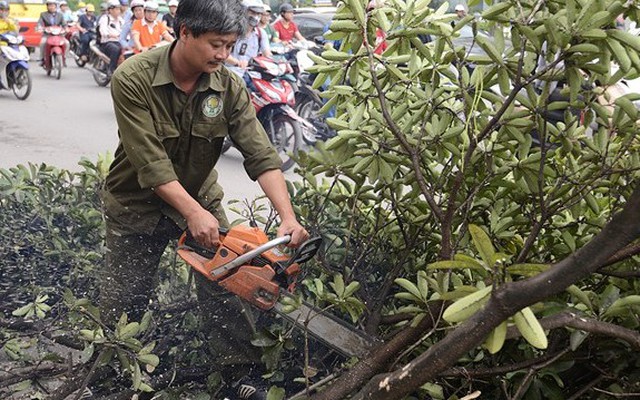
254,283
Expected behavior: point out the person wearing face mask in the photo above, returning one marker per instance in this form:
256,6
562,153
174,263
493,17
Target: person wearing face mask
255,42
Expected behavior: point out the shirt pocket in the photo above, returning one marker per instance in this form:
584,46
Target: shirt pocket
206,141
169,135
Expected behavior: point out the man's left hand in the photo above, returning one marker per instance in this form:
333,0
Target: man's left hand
292,227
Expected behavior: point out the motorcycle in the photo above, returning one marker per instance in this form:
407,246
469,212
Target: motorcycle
54,50
99,63
14,66
307,99
73,36
273,97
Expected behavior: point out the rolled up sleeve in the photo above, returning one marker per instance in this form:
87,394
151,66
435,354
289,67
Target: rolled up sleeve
248,134
138,135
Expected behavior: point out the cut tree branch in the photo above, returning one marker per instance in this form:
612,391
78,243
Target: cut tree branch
505,301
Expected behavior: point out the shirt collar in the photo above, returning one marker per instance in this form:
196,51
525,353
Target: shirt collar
164,76
145,23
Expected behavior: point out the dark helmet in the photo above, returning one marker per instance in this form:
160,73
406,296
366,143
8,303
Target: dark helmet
286,7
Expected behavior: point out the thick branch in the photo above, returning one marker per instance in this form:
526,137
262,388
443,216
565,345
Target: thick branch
380,359
46,368
504,302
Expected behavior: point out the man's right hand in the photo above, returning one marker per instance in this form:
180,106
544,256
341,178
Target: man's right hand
204,228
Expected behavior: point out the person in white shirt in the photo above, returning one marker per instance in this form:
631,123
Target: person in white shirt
110,26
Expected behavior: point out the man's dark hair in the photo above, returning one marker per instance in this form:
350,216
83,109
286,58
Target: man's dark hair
202,16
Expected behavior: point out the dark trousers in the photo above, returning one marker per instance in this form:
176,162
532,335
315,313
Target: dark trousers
85,39
129,278
112,50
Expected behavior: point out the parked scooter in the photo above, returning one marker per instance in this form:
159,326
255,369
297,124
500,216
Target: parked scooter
273,97
54,50
14,65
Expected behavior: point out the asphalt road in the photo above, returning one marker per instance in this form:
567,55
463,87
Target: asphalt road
67,119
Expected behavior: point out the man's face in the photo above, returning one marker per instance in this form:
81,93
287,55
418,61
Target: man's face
288,16
64,7
90,13
172,10
150,15
114,11
51,7
4,13
461,13
208,52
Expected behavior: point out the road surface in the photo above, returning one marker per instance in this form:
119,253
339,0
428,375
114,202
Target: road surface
67,119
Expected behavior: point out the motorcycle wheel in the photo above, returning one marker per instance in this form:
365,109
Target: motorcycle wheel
100,77
56,64
286,136
309,109
80,62
21,84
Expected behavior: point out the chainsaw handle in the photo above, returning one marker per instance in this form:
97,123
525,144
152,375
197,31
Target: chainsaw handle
250,255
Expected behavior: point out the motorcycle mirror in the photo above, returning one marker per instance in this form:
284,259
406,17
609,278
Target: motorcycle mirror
23,29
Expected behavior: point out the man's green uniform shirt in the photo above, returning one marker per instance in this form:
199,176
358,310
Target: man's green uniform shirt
166,135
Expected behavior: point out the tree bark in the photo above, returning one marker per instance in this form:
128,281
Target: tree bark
504,302
380,359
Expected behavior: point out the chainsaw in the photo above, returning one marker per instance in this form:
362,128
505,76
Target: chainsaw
249,265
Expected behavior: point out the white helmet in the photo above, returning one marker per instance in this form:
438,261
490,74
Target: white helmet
113,4
254,5
173,3
151,6
136,3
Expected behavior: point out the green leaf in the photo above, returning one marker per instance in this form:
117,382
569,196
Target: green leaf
467,306
496,338
483,244
530,328
622,305
276,393
456,264
409,287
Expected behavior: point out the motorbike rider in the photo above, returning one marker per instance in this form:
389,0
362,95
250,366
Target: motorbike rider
110,26
51,17
66,12
169,17
6,24
148,31
286,28
252,44
174,106
265,24
136,12
87,27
